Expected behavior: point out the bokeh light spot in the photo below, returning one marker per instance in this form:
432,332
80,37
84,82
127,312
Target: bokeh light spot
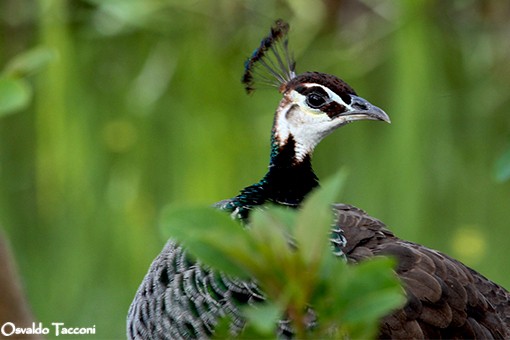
119,135
469,244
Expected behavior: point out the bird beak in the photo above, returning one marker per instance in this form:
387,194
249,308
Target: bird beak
361,109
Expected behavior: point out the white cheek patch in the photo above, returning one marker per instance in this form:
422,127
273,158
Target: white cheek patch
303,128
306,125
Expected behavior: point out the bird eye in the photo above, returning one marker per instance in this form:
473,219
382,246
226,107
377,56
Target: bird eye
315,100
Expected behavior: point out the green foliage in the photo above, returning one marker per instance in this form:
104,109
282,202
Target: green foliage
349,300
15,95
15,91
141,106
502,167
29,62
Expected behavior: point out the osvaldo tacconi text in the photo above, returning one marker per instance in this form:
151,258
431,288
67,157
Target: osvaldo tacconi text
57,328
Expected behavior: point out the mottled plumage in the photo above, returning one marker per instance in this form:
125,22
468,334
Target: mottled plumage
181,299
445,299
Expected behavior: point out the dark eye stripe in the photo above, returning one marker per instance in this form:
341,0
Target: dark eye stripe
307,90
333,109
345,97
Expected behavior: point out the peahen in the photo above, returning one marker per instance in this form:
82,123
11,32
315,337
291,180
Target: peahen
180,298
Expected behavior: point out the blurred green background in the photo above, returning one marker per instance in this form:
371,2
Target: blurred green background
110,110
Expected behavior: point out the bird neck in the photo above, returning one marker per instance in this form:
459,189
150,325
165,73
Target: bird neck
287,181
290,176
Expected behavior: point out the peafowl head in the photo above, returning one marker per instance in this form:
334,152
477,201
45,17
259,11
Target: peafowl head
313,105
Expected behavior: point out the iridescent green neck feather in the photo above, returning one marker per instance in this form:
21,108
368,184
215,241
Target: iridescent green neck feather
287,182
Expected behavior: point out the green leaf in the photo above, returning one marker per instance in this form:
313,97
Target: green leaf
29,62
276,260
15,95
374,305
355,297
211,236
285,216
372,275
349,299
315,219
222,328
376,289
269,228
263,317
502,167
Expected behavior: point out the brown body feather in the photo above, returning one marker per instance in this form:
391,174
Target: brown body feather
445,298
